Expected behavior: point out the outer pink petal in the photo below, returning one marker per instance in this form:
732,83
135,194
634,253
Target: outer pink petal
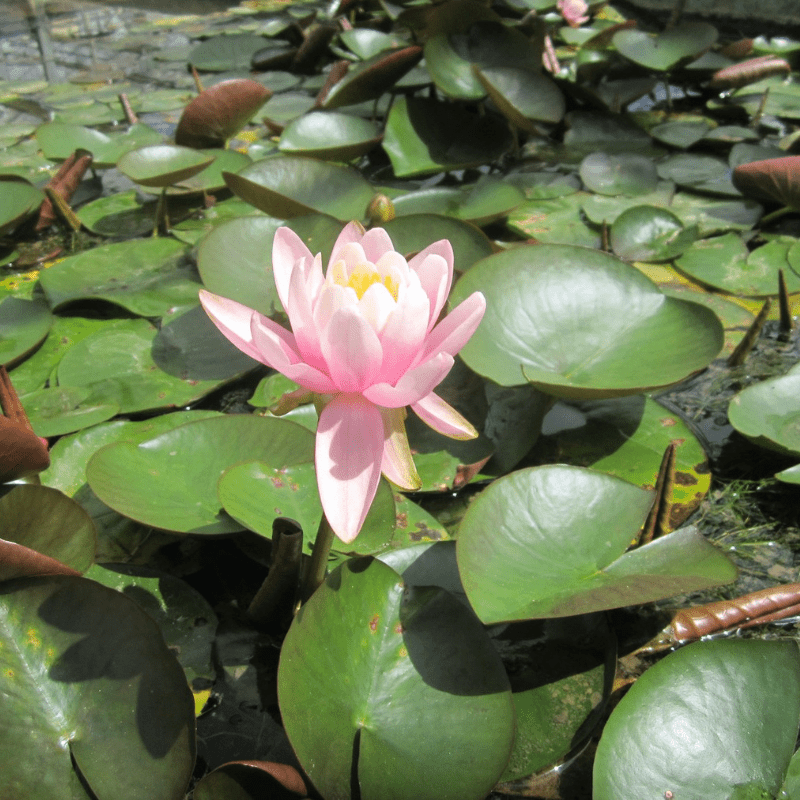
442,417
277,348
287,249
436,277
376,242
301,318
233,320
352,350
414,385
352,232
403,334
454,331
398,464
349,450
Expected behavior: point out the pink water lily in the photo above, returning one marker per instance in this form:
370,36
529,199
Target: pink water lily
367,341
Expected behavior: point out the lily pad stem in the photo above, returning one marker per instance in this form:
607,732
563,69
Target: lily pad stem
318,566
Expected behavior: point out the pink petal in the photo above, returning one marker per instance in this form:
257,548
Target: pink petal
414,385
301,318
376,242
349,450
277,348
403,333
352,350
434,266
442,417
287,249
352,232
454,331
398,464
233,320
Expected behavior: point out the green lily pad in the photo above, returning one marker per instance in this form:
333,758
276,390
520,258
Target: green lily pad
768,413
424,135
699,172
59,140
122,214
283,108
681,133
139,367
627,437
145,276
715,215
755,685
527,548
623,173
414,232
649,233
371,78
209,179
418,646
664,51
49,522
329,135
523,96
290,186
64,409
161,165
624,334
558,220
605,209
70,454
170,481
18,199
724,263
186,620
23,325
93,696
224,53
366,42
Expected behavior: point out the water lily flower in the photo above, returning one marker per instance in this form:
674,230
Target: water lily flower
573,11
366,339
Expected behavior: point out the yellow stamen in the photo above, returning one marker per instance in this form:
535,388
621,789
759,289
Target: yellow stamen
364,275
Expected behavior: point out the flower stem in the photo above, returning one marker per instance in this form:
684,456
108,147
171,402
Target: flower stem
318,566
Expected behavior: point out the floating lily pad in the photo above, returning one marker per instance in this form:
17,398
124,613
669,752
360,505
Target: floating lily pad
209,179
18,199
699,172
120,214
773,179
85,656
725,263
768,413
144,276
223,53
424,135
664,51
283,108
162,165
422,648
558,220
524,96
527,548
64,409
170,481
329,135
624,173
59,140
580,323
649,233
23,325
721,759
290,186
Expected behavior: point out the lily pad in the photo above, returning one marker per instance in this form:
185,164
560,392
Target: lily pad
290,186
527,548
663,51
329,135
424,135
721,757
649,233
145,276
162,165
580,323
523,96
18,199
625,173
23,325
64,409
59,140
223,53
94,697
422,648
170,481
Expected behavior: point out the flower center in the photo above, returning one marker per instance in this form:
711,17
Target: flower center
364,275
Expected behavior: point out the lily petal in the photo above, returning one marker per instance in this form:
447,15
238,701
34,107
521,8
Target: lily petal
442,417
352,232
454,331
233,321
398,464
277,348
376,242
352,350
413,386
434,266
348,455
287,249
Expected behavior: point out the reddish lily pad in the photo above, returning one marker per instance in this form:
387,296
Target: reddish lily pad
773,179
